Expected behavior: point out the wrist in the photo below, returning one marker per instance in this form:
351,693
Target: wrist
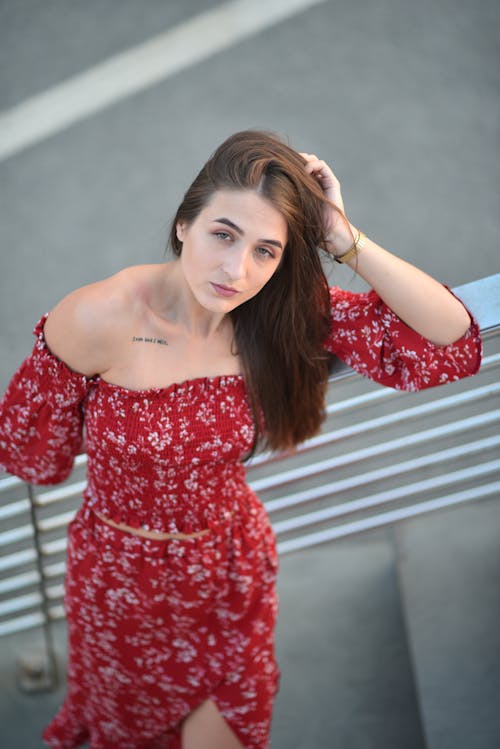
347,246
341,236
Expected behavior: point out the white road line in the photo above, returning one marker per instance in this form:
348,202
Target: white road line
142,66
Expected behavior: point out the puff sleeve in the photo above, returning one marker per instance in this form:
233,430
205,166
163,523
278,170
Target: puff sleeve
368,336
41,417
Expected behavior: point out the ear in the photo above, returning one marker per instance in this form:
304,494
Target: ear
180,230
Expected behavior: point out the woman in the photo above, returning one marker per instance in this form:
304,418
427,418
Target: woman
180,370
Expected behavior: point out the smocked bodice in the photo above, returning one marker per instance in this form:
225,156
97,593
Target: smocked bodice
168,458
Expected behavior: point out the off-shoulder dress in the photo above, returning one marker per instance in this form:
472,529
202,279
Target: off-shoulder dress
158,626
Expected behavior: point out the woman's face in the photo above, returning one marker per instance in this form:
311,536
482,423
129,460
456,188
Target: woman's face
232,248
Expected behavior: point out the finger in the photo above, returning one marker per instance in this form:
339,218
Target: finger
315,165
322,173
309,156
320,170
313,162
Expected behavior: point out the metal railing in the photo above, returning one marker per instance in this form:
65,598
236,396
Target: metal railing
382,456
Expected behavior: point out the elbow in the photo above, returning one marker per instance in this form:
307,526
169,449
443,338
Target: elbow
454,329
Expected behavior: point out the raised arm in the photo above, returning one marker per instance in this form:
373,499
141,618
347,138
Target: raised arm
419,300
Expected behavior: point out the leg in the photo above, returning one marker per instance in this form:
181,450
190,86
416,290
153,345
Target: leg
205,728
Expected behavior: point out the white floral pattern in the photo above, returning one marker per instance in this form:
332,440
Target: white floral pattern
367,335
156,627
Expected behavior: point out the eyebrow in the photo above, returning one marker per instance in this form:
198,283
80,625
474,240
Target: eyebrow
237,229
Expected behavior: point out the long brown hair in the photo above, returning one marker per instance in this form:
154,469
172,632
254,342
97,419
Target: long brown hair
280,332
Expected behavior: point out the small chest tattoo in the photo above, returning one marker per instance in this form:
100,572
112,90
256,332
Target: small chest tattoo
144,339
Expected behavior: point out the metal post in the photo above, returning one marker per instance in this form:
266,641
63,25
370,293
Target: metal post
40,675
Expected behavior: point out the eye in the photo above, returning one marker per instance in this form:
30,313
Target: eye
264,252
224,235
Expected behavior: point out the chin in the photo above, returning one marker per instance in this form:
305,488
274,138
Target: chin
214,304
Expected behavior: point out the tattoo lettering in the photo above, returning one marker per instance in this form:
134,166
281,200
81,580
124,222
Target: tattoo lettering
143,339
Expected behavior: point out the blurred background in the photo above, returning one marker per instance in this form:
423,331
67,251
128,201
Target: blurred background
108,111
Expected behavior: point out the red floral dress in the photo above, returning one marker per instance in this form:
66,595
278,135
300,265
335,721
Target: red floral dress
158,626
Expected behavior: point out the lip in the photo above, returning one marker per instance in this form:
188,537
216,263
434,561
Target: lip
225,291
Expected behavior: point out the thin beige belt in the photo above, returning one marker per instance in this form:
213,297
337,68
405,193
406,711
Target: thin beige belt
150,534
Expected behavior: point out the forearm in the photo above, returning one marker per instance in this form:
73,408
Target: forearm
418,299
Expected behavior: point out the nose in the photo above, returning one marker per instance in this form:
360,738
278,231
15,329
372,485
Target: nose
236,262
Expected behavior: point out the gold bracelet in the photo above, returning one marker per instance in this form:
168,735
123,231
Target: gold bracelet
353,250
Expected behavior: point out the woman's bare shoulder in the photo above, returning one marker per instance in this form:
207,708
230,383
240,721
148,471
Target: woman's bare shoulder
83,327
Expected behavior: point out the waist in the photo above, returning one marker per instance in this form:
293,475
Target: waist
153,535
171,508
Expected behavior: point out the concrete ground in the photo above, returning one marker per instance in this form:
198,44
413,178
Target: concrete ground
402,98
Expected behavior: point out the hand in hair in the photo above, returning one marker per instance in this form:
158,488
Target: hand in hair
325,177
339,232
419,300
